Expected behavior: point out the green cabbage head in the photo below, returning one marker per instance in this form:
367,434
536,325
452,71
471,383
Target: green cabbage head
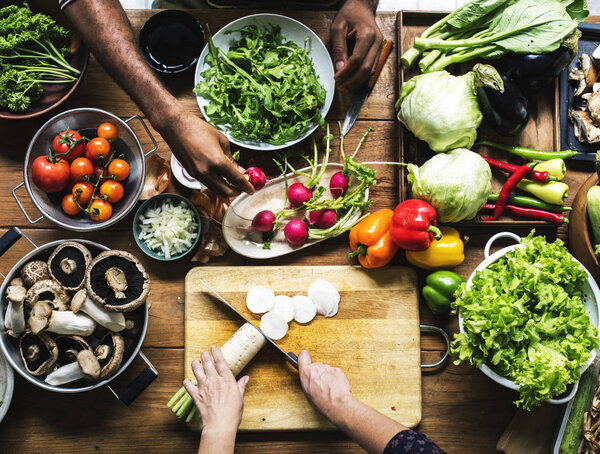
457,184
442,109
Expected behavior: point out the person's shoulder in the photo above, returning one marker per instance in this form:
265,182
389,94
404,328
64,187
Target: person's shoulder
411,442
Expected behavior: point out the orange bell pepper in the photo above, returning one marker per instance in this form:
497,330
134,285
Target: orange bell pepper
370,239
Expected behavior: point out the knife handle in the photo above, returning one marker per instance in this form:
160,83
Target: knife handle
387,48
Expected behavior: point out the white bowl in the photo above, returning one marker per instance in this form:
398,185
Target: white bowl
7,381
591,299
294,31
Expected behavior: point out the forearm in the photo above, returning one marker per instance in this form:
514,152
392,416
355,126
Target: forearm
104,26
371,4
217,442
369,428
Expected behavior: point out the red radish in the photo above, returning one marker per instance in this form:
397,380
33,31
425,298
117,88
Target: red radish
323,219
338,185
263,221
256,177
296,232
298,194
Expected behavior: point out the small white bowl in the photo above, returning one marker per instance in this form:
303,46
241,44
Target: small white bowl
294,31
591,299
7,382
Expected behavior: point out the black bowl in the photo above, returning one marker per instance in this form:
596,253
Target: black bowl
171,41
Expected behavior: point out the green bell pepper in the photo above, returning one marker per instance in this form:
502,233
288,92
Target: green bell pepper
439,290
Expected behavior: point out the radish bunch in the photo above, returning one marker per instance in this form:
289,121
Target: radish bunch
323,298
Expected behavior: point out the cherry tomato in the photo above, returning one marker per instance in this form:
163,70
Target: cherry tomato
97,149
85,193
50,176
69,206
113,190
66,140
119,168
80,169
108,131
99,174
100,210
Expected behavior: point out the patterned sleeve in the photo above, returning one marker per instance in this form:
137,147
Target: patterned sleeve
411,442
64,3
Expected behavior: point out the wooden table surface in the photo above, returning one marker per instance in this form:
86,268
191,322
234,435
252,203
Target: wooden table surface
463,411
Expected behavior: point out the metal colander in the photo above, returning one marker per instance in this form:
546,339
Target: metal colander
83,119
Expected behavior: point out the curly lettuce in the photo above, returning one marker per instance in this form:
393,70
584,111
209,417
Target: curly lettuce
524,317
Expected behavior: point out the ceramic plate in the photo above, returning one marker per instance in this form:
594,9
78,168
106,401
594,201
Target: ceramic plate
6,385
292,30
239,215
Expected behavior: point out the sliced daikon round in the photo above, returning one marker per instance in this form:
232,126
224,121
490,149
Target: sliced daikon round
284,306
333,311
273,325
304,309
260,299
325,296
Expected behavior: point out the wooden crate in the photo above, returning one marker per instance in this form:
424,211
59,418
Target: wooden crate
541,132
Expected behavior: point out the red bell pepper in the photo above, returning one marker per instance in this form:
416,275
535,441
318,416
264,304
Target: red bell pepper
414,225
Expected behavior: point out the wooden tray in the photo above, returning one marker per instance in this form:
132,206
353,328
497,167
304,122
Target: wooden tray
374,339
542,131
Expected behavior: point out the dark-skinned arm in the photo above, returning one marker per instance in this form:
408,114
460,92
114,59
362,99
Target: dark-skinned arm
202,150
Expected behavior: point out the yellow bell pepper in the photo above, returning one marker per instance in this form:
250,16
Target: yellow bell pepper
447,252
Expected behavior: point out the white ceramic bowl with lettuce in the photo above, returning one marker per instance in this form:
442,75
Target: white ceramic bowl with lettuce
292,30
590,297
7,381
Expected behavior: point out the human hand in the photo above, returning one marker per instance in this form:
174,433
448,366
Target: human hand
218,397
205,154
355,20
326,387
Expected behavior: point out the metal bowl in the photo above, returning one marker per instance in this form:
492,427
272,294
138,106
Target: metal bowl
83,119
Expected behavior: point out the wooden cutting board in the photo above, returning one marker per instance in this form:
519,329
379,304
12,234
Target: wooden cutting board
374,339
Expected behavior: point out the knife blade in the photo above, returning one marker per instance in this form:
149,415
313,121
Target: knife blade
289,357
362,93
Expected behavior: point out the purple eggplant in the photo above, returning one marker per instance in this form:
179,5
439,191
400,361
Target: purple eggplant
532,72
506,112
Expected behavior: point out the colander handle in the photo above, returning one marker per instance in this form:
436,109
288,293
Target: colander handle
488,245
137,117
14,193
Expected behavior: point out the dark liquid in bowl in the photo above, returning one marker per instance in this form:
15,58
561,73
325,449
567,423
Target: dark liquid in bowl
173,46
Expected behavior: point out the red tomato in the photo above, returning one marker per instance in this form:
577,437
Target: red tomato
69,206
100,210
119,168
97,149
68,140
108,131
80,169
113,190
50,176
85,191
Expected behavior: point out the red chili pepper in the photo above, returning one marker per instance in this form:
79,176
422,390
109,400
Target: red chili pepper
414,225
531,213
542,177
510,184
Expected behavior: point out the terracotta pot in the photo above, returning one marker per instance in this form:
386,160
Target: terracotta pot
580,242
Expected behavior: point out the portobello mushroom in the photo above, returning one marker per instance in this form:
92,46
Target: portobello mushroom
47,290
113,321
14,319
34,271
109,353
69,347
583,127
43,318
68,263
117,280
86,366
586,75
39,352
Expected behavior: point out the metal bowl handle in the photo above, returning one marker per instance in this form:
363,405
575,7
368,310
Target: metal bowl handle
14,193
568,397
137,117
488,245
441,333
10,238
139,383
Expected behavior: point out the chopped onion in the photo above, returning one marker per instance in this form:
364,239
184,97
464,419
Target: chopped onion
168,229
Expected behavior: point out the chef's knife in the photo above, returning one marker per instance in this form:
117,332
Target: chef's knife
362,93
289,357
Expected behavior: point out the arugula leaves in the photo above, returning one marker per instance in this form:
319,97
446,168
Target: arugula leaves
524,317
263,88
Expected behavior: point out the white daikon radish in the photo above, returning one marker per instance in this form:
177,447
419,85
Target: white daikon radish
260,299
325,296
273,325
245,343
284,306
304,309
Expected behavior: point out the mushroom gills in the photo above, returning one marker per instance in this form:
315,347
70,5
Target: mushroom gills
68,264
38,352
86,366
113,321
47,290
110,354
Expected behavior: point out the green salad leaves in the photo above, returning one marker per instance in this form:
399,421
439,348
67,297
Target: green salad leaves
264,88
524,317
